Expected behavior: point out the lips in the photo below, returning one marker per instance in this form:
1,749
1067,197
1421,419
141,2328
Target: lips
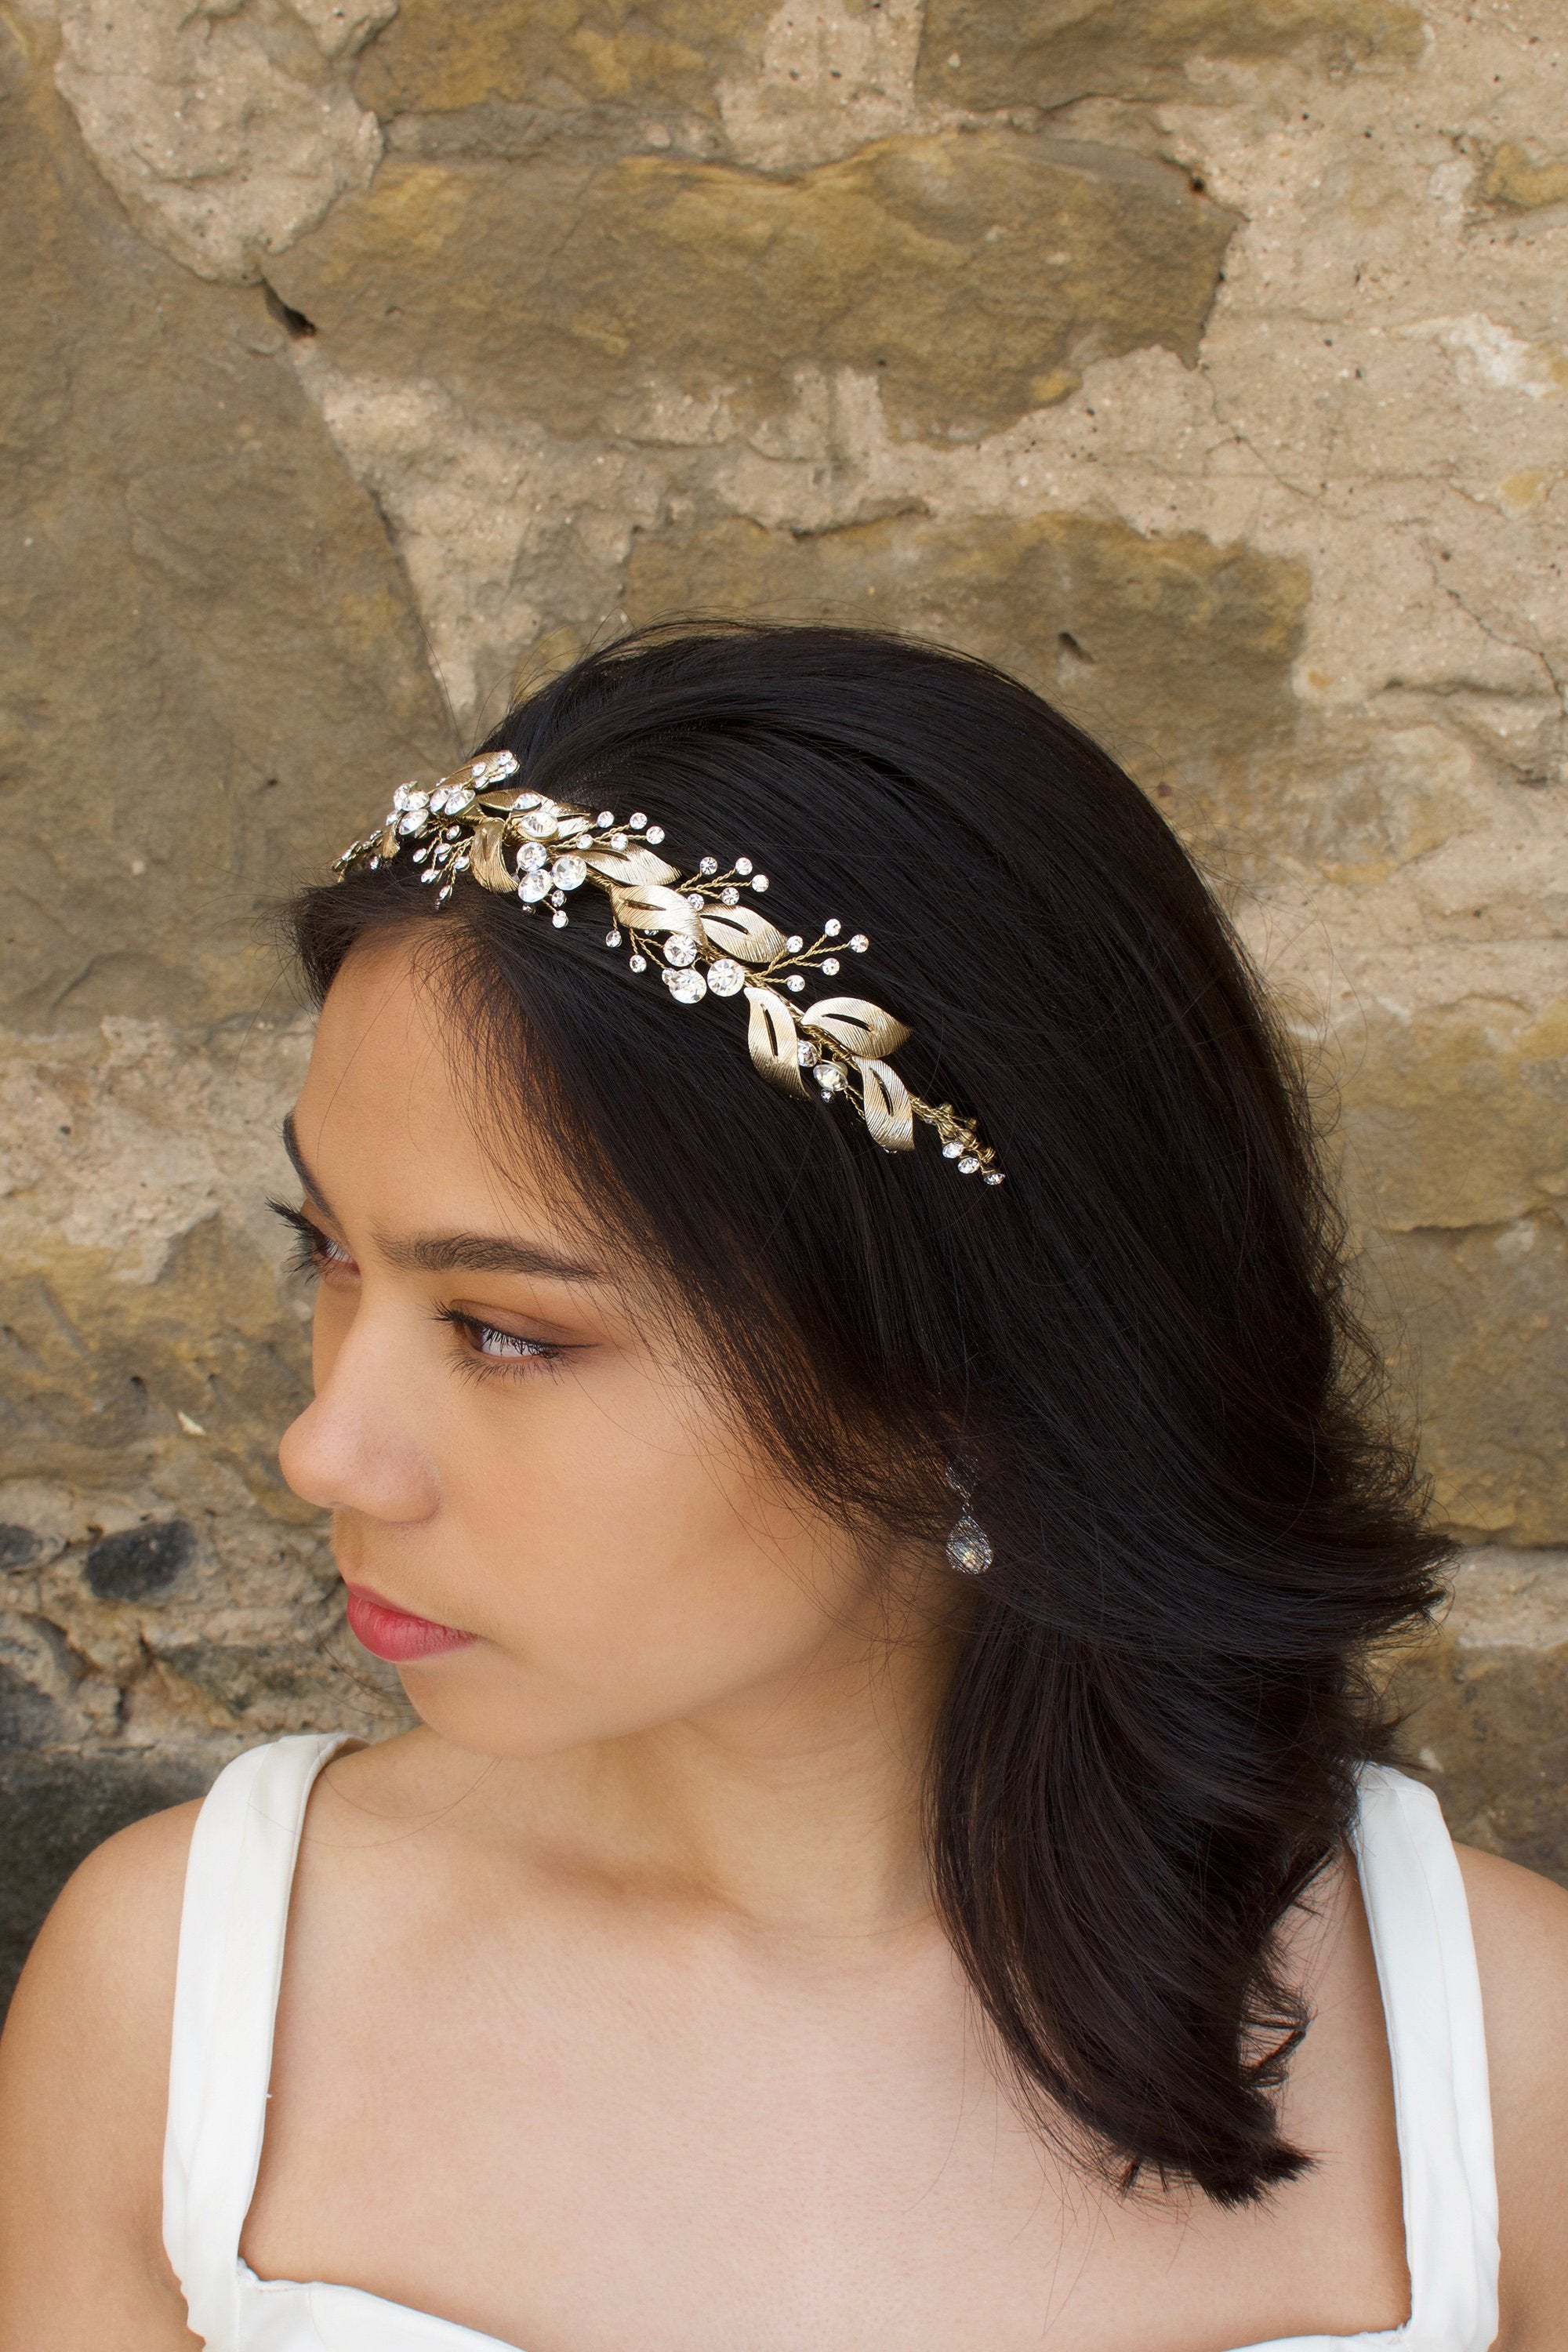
395,1634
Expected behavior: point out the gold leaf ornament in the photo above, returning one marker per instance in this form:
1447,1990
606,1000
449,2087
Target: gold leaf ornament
863,1029
467,824
889,1116
485,858
629,867
773,1040
648,907
741,932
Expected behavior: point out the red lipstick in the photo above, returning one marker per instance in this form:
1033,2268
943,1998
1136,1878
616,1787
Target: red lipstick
395,1634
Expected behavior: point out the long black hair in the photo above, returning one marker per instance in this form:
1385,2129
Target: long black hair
1141,1343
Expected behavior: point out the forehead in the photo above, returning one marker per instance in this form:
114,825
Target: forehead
387,1113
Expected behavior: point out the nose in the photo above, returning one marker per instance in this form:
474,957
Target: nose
358,1445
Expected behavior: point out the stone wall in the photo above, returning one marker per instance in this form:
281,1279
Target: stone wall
1199,360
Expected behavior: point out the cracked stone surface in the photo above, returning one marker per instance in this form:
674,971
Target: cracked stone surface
1202,361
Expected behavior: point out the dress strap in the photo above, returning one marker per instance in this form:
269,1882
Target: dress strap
1420,1925
232,1930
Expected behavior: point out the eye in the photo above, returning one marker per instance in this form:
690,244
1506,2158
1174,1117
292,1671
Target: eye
315,1253
488,1349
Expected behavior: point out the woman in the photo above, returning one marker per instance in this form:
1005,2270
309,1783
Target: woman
881,1529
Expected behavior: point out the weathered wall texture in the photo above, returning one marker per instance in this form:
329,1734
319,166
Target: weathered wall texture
1202,361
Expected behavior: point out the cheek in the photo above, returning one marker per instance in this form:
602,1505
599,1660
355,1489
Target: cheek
659,1575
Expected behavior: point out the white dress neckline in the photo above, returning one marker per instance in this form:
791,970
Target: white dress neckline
231,1931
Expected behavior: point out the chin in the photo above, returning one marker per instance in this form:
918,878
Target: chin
464,1700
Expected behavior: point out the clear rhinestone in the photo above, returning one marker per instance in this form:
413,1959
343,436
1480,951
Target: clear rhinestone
376,862
617,841
832,926
431,874
442,851
686,987
443,894
453,832
830,964
532,853
795,983
807,1055
709,866
558,897
411,821
638,962
612,938
636,820
560,920
758,881
681,950
726,977
656,833
743,864
532,886
605,816
461,862
421,855
438,803
417,800
795,943
695,900
952,1150
458,798
969,1548
729,896
859,944
400,797
830,1078
568,873
529,800
539,823
503,763
968,1164
995,1176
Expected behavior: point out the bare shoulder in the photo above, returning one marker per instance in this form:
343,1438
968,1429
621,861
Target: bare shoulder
1520,1921
84,2065
105,1956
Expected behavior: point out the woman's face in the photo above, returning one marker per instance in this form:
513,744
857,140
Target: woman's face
511,1442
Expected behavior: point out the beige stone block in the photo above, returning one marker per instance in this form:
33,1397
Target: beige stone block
224,130
98,1373
1515,179
1486,1708
1457,1115
1476,1327
211,662
150,1329
1173,652
1049,52
556,54
969,277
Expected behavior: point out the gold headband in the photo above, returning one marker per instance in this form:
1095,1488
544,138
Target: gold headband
473,820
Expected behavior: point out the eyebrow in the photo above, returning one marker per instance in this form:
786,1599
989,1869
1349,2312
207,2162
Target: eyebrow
449,1252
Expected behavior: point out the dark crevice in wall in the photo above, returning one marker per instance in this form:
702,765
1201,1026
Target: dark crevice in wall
294,323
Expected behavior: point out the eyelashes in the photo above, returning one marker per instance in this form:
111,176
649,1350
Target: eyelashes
489,1352
313,1250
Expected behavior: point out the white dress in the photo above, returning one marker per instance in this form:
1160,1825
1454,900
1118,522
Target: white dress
231,1956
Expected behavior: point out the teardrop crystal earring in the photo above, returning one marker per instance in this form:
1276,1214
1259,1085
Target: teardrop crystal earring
968,1546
